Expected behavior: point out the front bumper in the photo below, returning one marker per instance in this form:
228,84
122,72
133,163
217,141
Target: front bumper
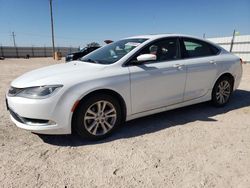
39,116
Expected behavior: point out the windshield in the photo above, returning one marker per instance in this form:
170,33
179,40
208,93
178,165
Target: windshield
113,52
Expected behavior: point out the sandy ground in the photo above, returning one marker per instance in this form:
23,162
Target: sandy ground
196,146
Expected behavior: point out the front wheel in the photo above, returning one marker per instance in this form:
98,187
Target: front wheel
97,117
222,91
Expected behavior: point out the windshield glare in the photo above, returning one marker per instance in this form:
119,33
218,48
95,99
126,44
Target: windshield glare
113,52
82,50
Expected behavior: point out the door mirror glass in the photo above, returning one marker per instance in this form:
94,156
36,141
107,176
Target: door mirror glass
146,57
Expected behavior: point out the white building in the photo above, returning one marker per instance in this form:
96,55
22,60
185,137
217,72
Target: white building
241,45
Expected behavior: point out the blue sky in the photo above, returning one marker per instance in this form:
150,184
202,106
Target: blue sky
78,22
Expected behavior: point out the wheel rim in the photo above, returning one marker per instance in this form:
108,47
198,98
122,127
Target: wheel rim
223,92
100,118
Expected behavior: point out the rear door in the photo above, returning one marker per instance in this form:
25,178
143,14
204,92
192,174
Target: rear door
199,58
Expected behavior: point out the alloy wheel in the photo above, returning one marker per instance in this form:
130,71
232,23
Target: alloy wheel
223,92
100,118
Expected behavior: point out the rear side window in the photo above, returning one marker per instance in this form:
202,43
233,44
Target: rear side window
197,48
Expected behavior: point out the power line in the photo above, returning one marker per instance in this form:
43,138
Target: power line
49,36
46,36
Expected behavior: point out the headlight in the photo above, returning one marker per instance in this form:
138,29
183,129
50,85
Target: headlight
39,92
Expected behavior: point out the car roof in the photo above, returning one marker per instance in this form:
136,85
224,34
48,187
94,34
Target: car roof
156,36
159,36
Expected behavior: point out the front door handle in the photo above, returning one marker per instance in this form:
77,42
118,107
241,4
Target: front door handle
212,62
178,66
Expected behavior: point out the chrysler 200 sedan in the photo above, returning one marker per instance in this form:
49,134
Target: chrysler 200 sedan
124,80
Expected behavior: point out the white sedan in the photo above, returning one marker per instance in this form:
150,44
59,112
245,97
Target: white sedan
124,80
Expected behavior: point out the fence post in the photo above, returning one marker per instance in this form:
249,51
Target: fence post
2,54
17,52
45,51
32,51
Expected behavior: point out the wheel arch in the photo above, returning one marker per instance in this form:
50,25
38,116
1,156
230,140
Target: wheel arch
226,74
103,91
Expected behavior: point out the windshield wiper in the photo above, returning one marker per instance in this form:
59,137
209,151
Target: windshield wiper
89,60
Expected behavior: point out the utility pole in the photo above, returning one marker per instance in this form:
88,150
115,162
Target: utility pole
14,42
52,28
204,35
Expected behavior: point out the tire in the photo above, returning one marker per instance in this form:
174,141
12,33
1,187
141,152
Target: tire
97,117
222,91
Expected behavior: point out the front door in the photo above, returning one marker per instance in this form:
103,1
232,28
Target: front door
158,83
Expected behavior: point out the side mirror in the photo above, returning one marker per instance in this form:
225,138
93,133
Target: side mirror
146,57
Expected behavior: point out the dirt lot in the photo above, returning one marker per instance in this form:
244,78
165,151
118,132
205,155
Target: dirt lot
197,146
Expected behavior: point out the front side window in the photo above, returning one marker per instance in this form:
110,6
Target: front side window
196,48
165,50
113,52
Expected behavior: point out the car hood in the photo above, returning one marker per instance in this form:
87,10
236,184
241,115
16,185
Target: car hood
65,73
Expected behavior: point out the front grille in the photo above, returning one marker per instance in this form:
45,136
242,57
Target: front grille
13,91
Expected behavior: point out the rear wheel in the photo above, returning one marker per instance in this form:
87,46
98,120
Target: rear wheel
97,117
222,91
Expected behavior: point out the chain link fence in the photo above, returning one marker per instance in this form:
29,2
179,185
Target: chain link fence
22,52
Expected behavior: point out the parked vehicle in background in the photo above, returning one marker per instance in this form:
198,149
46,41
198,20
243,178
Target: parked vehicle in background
81,53
108,41
124,80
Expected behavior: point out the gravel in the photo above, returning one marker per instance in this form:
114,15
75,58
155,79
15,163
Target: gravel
195,146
